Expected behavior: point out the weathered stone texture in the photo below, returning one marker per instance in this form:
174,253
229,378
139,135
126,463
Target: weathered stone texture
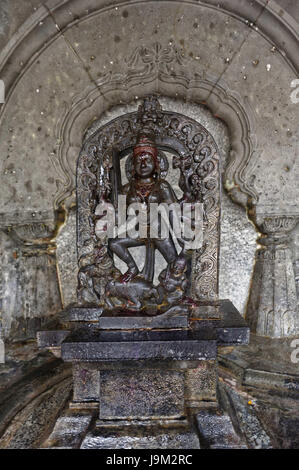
69,431
79,66
86,382
66,64
42,121
150,393
31,425
217,432
201,384
272,307
160,440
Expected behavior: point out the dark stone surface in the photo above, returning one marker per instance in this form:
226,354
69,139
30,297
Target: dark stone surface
86,383
200,384
259,388
81,314
216,431
268,355
138,439
141,394
141,364
240,406
165,320
230,326
146,423
29,427
34,387
69,430
51,338
281,422
94,345
209,318
233,328
206,310
26,381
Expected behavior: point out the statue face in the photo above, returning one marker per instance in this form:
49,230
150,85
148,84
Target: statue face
144,165
179,267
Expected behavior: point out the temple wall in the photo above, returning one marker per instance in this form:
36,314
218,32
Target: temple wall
65,64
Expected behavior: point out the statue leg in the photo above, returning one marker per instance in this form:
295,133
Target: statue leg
120,246
167,249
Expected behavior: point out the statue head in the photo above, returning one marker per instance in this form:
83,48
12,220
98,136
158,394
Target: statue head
145,157
178,266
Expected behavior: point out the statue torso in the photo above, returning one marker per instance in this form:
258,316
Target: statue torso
157,192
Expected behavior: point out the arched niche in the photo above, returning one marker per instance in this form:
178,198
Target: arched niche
194,153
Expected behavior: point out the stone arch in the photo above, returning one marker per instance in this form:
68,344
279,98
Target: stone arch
23,50
222,104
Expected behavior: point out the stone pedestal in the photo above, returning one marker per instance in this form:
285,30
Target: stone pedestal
140,374
152,378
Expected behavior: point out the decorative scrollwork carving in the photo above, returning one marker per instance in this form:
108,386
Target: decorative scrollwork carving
279,223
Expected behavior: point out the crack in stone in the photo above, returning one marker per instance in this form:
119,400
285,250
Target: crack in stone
239,48
80,60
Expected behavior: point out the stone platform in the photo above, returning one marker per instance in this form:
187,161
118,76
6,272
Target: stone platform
151,371
258,386
92,345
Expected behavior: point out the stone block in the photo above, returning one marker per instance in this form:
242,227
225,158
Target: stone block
51,338
89,344
165,320
201,383
141,394
69,431
217,432
163,439
86,383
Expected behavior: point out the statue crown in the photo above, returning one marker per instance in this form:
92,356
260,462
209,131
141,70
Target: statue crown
145,144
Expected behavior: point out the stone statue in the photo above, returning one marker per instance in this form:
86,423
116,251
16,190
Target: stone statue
142,137
146,186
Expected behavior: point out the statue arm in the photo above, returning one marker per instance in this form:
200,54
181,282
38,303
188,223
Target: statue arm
168,194
123,191
169,197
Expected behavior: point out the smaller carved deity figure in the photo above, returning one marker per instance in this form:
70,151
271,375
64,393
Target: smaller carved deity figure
173,282
91,277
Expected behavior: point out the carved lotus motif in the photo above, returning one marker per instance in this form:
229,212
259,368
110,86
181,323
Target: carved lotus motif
279,224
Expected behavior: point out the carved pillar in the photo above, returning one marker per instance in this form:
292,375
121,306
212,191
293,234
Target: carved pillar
30,291
272,307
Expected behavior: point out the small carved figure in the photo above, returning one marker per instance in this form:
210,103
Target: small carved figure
91,277
173,282
129,295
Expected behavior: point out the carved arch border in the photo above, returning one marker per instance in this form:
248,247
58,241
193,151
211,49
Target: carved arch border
274,27
285,27
222,104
